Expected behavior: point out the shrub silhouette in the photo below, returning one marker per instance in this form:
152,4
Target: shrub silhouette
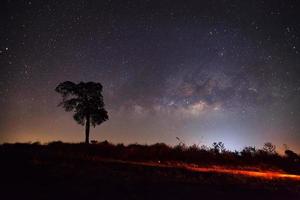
160,152
86,100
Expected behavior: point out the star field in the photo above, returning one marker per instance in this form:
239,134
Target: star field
202,71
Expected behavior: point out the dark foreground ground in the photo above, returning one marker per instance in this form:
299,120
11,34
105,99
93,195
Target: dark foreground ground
33,175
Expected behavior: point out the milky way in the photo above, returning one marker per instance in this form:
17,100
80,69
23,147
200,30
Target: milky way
202,71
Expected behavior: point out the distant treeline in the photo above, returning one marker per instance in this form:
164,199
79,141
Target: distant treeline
217,154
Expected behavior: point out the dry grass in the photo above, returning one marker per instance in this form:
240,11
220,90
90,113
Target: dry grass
107,171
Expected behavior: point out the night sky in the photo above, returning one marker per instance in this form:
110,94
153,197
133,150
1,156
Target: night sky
202,71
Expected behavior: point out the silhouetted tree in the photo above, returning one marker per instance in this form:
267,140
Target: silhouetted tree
269,148
291,155
248,151
218,147
86,101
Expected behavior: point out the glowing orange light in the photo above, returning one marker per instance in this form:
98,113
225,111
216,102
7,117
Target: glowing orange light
214,169
261,174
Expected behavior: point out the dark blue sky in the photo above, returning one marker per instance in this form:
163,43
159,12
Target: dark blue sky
202,71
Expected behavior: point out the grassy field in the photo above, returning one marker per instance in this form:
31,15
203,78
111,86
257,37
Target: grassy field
32,171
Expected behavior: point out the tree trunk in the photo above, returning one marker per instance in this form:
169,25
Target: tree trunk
87,130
